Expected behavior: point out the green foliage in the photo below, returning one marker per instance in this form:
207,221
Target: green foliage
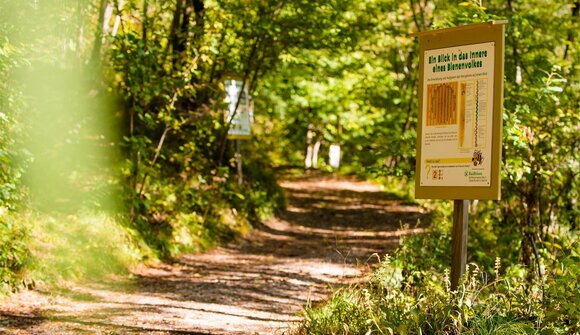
10,125
561,300
345,313
168,75
14,251
90,246
407,294
14,234
362,96
344,72
357,95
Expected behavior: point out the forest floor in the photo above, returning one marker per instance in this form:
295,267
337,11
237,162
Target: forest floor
331,234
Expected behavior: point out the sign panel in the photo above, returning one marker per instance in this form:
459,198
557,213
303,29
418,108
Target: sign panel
460,112
334,156
457,116
238,115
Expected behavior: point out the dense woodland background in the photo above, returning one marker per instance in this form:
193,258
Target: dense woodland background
114,150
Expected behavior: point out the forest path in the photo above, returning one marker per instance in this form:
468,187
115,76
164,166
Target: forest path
327,237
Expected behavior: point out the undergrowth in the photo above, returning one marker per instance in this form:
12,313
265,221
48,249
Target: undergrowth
175,217
90,244
409,293
14,252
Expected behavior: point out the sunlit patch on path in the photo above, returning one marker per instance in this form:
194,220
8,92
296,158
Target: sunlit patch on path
328,236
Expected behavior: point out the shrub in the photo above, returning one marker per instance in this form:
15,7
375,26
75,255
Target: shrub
410,294
14,253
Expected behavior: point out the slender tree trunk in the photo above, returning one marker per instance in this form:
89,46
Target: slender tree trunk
575,15
174,32
184,28
309,148
145,21
106,21
315,151
199,9
117,18
98,41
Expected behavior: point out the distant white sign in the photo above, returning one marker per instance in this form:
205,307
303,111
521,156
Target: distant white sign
240,119
334,155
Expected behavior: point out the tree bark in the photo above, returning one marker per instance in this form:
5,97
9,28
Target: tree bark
199,10
145,21
174,32
309,136
575,14
98,41
117,18
315,154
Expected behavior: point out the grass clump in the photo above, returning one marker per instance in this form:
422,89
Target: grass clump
410,293
52,248
390,304
87,246
345,313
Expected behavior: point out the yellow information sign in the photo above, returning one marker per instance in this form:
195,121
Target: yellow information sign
460,112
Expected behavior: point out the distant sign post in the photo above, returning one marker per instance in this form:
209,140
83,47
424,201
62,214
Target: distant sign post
460,122
239,112
239,117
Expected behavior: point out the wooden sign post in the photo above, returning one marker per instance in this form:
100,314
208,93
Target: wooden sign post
460,122
459,241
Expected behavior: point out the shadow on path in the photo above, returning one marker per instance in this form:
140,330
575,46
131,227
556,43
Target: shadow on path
329,235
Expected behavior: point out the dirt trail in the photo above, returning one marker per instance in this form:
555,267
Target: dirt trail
327,236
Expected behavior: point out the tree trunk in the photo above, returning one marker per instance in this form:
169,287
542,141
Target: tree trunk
98,41
575,14
315,154
145,21
199,9
174,32
309,148
117,18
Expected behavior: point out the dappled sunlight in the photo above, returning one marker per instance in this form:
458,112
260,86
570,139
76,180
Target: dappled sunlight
331,182
333,233
289,167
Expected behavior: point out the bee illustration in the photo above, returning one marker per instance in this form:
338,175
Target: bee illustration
477,158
